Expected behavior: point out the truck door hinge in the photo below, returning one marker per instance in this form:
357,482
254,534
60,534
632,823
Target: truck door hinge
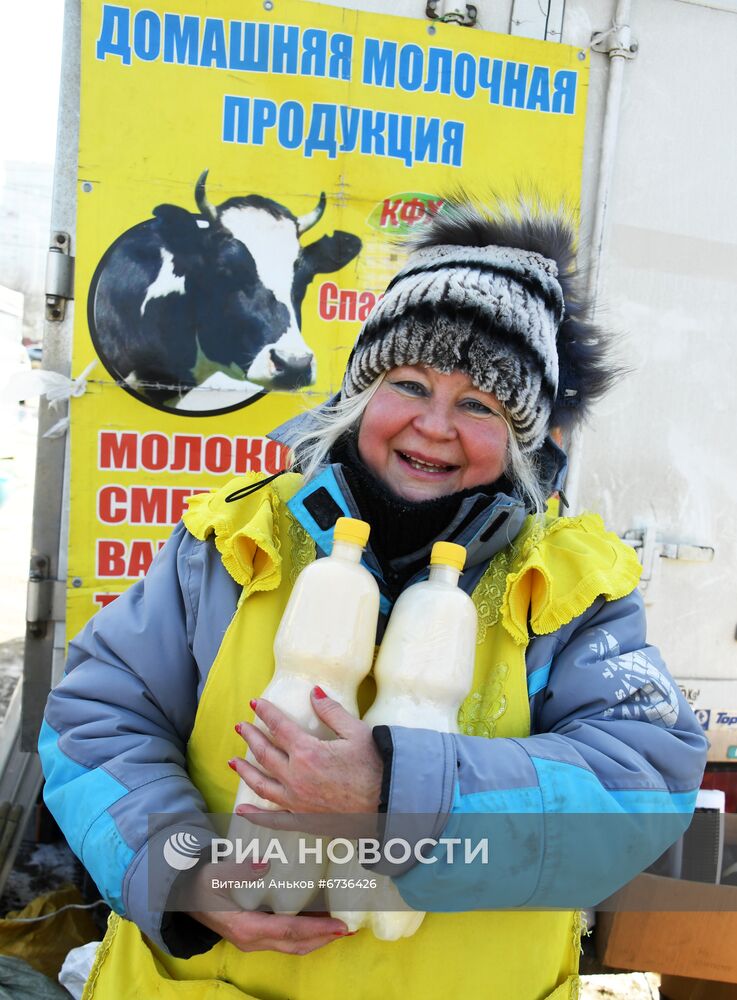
452,13
59,277
46,598
650,550
615,41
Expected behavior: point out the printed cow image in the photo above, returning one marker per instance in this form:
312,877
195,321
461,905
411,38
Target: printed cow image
184,306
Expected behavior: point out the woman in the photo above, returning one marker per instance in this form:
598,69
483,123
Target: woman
476,351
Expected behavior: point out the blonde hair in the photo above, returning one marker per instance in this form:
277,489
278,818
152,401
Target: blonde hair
311,449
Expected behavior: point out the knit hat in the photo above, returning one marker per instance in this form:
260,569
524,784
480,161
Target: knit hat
495,296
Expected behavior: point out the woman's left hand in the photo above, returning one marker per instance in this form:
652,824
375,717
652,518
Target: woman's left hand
306,774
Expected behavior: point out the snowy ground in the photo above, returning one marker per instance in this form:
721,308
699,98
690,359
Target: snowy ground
628,986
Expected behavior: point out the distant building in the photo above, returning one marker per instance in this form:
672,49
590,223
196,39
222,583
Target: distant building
25,219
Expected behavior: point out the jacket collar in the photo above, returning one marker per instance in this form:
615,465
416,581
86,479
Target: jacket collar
483,524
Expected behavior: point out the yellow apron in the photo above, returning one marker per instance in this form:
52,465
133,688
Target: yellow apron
553,573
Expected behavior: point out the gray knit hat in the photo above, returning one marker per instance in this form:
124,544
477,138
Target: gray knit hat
494,297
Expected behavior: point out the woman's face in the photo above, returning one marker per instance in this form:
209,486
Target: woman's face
427,435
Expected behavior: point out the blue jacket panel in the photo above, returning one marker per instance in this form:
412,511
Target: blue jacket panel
611,736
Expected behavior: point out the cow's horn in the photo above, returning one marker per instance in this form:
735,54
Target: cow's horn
305,222
203,204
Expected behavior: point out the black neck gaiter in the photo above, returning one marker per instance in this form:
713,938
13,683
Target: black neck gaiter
398,526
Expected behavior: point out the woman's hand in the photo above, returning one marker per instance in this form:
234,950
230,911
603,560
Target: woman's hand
272,931
308,775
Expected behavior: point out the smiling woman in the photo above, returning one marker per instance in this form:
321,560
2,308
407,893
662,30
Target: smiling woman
479,347
427,435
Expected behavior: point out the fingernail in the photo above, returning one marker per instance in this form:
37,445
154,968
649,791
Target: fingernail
319,693
252,703
231,764
345,933
237,728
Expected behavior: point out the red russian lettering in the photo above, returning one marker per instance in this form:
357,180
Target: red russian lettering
327,307
140,557
154,451
276,456
148,505
110,557
248,454
218,454
348,300
366,302
412,211
111,504
118,450
389,212
104,599
179,499
186,453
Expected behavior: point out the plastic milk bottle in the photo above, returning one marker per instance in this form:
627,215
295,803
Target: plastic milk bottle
423,673
326,636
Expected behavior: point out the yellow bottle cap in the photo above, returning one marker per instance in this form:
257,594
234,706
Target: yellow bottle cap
448,554
350,529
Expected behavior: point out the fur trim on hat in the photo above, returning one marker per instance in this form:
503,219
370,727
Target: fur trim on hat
585,369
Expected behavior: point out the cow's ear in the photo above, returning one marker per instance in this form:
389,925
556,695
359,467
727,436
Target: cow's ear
330,253
175,225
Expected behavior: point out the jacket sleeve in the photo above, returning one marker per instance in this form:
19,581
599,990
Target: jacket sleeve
114,736
606,781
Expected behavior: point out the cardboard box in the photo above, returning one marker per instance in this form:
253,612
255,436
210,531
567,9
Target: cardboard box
714,703
677,988
672,926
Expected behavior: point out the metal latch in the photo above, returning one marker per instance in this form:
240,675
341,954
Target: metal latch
615,41
650,551
452,13
46,598
59,277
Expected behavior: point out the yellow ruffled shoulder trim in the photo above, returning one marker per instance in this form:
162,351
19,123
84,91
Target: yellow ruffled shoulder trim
562,570
247,531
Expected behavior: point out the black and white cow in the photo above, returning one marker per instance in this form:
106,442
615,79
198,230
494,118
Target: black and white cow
182,295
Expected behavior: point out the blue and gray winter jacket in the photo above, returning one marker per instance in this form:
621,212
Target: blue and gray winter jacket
604,783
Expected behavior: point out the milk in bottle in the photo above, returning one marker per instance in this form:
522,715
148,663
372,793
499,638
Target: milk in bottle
326,636
423,673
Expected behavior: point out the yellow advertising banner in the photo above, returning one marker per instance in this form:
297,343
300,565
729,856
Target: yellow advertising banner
245,171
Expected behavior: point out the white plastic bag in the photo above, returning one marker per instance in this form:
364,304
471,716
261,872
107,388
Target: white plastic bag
75,971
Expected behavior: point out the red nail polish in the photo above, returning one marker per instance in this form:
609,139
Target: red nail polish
252,703
319,693
237,728
231,764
